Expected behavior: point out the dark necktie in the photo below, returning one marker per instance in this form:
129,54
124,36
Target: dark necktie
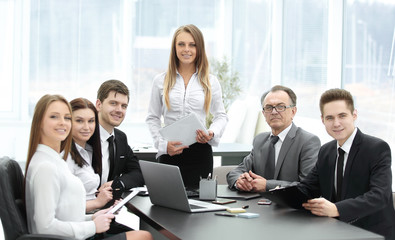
270,164
339,174
111,155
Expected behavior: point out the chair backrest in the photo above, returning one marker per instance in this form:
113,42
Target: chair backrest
221,173
12,209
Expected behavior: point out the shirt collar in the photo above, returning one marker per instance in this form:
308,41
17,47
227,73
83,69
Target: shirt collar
284,133
104,135
348,143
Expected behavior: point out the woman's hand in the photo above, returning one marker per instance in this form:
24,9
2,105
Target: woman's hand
104,196
102,222
202,137
175,148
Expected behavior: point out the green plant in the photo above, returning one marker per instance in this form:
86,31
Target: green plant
230,83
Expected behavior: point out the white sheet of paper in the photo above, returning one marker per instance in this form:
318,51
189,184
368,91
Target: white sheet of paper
183,130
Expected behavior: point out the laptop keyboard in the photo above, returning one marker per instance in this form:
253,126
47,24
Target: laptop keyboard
192,193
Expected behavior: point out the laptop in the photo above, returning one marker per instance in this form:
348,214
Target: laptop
166,189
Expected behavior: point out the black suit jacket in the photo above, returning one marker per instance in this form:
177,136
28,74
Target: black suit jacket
366,199
126,164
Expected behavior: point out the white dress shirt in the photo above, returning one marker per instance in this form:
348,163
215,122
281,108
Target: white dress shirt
279,143
346,148
55,198
184,101
104,135
86,174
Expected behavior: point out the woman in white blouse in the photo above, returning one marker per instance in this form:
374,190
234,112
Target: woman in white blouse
85,159
55,198
187,87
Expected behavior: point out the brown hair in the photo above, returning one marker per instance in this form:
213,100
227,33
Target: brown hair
112,85
276,88
35,131
200,61
334,95
94,140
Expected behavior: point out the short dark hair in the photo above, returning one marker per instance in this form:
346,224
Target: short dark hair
276,88
112,85
334,95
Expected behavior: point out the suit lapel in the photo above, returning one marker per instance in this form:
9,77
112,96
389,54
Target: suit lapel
264,151
286,145
350,160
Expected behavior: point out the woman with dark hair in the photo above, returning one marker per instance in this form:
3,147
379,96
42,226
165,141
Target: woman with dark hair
85,160
187,87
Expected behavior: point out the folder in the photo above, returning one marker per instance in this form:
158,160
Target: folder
287,196
183,130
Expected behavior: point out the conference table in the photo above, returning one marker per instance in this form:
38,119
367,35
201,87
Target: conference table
230,153
274,222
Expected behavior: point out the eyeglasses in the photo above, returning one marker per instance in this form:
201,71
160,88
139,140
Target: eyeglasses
279,108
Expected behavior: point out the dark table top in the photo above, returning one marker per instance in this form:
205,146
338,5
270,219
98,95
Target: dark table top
274,222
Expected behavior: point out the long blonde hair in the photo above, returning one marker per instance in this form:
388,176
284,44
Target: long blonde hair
35,131
200,61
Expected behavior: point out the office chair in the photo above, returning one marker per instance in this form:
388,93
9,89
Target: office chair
12,207
221,173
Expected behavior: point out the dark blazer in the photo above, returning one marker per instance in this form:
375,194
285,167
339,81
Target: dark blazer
126,163
366,199
298,155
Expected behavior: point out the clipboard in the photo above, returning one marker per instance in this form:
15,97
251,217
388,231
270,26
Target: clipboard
287,196
183,130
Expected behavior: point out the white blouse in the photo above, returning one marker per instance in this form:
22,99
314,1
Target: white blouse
55,198
86,174
184,101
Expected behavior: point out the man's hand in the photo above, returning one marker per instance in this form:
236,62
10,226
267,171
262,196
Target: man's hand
321,207
243,183
250,181
259,183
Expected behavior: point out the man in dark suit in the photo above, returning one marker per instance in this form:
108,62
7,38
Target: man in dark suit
121,169
294,153
352,177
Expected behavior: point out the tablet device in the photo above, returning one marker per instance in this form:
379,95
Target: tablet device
134,192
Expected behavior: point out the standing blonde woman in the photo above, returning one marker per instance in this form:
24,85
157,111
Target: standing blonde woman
187,87
55,198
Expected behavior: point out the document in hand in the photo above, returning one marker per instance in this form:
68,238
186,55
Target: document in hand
287,196
134,192
183,130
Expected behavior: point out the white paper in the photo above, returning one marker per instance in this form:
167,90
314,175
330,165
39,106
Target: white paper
183,130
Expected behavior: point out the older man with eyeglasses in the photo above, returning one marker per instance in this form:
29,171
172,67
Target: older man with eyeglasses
280,157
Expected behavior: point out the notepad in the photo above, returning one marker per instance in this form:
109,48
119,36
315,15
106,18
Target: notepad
183,130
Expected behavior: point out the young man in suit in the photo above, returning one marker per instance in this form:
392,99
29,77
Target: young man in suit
352,177
120,167
288,159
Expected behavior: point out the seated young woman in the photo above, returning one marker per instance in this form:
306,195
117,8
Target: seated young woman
55,198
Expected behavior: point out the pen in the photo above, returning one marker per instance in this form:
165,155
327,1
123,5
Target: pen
225,214
244,207
209,176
